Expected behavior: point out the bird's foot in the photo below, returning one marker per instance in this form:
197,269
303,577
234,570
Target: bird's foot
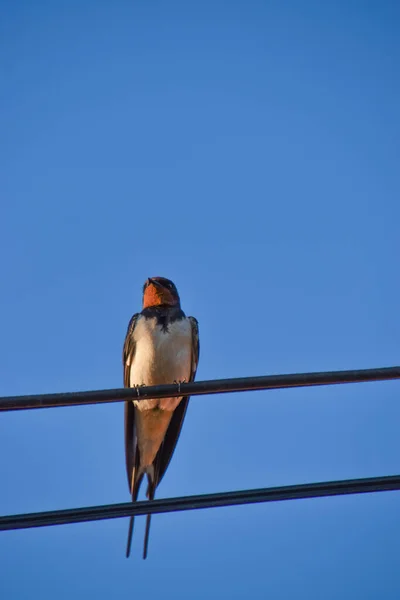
178,383
137,387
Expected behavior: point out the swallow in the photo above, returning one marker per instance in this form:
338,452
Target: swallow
161,346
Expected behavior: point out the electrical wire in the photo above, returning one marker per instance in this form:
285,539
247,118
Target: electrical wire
272,494
197,388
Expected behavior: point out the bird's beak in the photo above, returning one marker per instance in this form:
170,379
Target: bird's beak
154,282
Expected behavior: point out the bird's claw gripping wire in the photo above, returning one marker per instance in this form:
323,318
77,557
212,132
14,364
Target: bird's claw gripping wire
137,387
178,383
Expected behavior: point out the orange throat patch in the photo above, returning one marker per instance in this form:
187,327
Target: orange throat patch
155,295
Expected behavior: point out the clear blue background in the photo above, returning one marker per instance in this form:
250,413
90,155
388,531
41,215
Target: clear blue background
250,152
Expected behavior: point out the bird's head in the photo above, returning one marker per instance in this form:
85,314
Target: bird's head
159,291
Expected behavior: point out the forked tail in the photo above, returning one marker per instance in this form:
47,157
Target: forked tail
135,492
151,490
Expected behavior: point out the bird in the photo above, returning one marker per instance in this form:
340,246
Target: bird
161,346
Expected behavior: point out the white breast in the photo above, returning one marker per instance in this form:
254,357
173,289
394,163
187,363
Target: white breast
161,357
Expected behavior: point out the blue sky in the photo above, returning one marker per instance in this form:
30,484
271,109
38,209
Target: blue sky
248,151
